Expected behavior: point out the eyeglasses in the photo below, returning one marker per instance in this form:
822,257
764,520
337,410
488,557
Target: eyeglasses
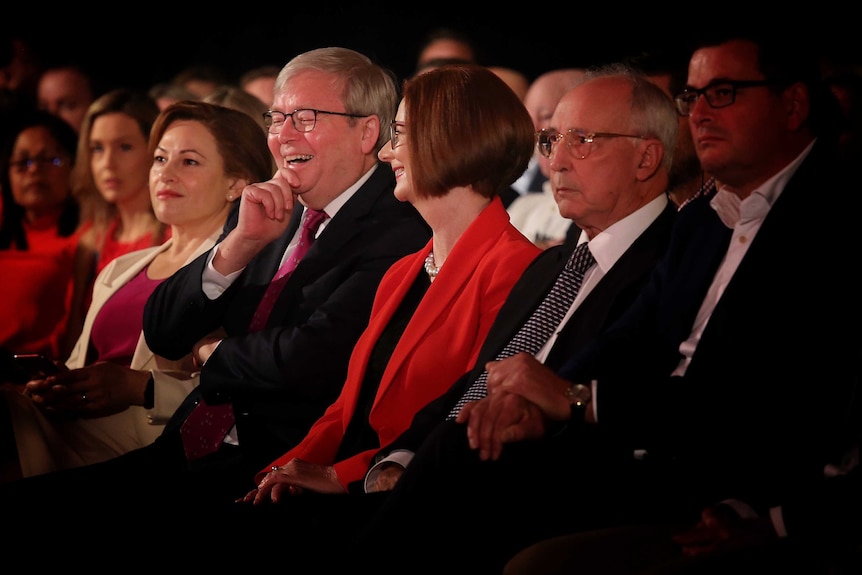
303,119
718,95
580,143
395,133
22,166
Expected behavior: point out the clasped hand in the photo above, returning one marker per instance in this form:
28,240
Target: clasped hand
292,479
523,395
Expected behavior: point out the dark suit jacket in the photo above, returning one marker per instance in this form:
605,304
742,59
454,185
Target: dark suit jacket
508,195
757,413
605,303
281,379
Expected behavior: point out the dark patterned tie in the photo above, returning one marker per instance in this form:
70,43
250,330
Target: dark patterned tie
206,426
312,221
538,328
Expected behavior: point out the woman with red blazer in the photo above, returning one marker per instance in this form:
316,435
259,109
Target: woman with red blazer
460,137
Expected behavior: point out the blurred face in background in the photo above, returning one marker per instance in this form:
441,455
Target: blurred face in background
445,49
119,159
686,165
541,101
261,88
39,172
65,93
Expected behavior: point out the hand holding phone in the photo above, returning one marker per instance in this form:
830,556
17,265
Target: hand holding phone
34,366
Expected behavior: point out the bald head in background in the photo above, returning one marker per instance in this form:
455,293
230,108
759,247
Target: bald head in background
544,94
517,81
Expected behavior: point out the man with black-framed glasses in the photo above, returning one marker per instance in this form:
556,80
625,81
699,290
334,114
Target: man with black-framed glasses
721,396
267,371
280,351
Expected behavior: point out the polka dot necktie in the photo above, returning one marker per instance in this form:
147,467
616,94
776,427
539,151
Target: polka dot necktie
538,328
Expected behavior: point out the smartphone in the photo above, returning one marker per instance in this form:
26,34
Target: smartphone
34,365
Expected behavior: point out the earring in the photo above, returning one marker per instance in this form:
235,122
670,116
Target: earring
230,197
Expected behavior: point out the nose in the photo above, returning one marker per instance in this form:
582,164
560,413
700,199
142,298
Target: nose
558,162
385,153
108,156
164,171
697,109
288,132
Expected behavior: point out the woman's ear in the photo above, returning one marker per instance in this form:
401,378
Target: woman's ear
235,189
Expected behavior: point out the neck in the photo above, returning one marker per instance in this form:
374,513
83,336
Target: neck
449,216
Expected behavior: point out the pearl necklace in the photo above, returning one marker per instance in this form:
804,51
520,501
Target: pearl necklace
430,268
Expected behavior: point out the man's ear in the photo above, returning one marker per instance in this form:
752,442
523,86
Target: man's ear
370,133
797,101
652,153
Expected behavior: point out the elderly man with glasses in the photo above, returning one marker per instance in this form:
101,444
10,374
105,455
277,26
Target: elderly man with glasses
610,148
722,393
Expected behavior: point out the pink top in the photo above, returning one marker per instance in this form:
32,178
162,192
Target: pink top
113,248
118,325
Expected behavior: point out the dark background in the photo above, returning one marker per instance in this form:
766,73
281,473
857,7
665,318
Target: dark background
142,44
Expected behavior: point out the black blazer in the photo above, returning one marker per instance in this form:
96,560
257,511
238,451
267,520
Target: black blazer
281,379
757,413
605,303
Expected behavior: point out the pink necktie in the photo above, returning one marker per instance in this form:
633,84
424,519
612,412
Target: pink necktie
204,429
206,426
312,220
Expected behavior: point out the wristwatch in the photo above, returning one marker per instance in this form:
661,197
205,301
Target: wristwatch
579,397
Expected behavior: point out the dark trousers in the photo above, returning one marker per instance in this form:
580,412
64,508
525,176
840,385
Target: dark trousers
477,514
151,505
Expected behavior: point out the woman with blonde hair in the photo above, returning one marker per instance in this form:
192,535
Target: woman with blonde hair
114,394
110,183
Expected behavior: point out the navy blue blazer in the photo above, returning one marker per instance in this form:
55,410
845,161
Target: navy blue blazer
757,413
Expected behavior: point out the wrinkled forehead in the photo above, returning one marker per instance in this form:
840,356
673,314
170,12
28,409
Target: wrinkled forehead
310,89
601,104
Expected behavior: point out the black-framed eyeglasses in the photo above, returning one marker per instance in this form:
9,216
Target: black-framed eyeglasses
395,133
22,166
578,142
304,119
718,95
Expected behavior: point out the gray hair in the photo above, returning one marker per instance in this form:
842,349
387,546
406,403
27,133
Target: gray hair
366,88
653,113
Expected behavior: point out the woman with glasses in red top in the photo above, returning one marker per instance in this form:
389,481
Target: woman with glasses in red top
39,233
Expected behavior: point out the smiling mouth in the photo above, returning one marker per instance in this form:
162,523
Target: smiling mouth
297,159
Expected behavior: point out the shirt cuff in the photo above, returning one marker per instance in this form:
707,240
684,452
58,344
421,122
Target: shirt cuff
401,457
213,283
